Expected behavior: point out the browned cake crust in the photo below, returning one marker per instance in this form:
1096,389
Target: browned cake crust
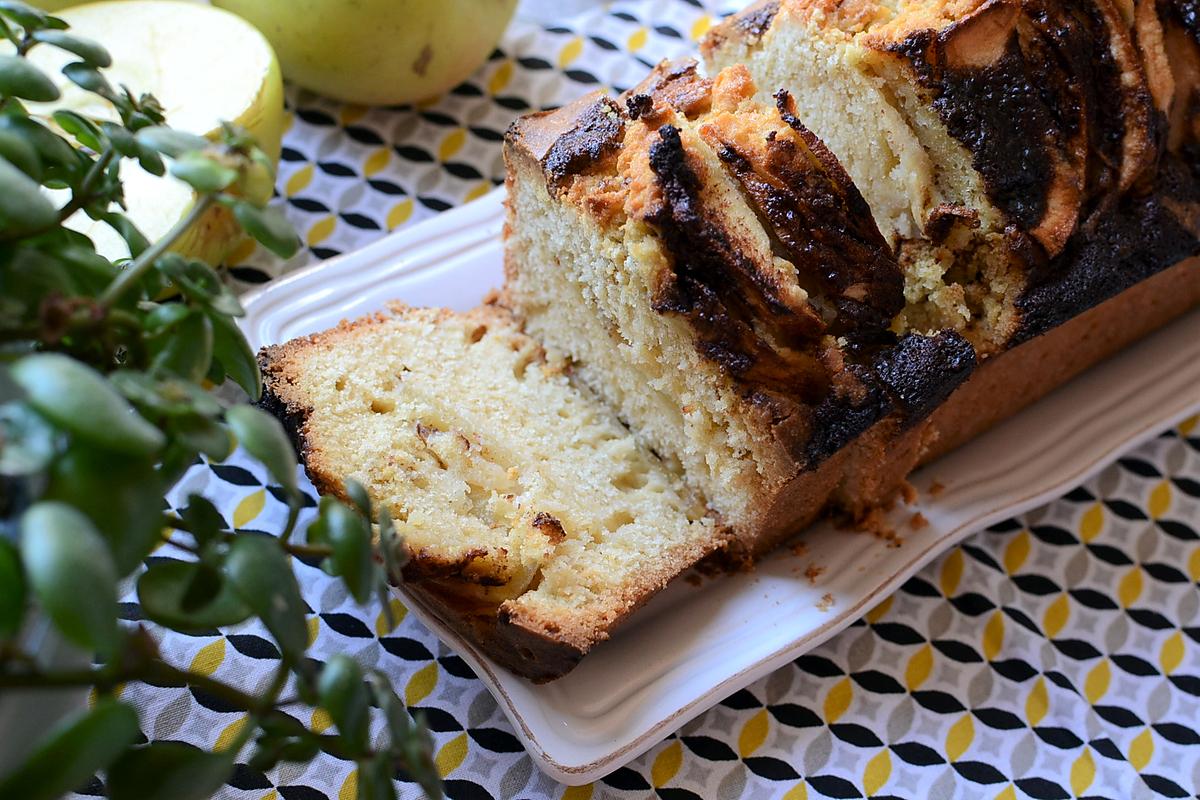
1006,384
538,656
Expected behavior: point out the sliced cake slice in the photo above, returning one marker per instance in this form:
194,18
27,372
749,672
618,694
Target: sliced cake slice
535,521
715,275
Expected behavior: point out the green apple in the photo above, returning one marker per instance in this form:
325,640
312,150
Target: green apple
205,66
378,51
53,5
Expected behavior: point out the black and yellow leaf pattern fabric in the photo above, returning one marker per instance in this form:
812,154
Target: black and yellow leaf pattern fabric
1056,655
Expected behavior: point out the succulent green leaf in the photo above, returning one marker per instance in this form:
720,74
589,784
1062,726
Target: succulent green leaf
12,590
233,351
73,752
120,137
342,693
19,78
186,350
9,390
302,750
163,591
203,435
29,441
416,754
202,588
89,272
358,495
263,578
163,316
150,161
86,132
25,15
198,281
93,53
395,554
170,397
202,173
128,231
88,78
375,778
203,519
24,209
78,399
350,537
411,741
267,225
21,153
168,771
122,495
52,148
171,142
71,573
264,438
216,371
266,755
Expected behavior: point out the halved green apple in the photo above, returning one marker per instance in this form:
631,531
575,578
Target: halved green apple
205,66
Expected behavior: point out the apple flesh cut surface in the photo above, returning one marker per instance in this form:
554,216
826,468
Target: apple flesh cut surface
378,52
205,66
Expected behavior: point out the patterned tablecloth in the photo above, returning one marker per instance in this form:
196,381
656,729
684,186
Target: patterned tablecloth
1055,655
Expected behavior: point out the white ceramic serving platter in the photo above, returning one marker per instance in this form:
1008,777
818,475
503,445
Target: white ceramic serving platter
694,645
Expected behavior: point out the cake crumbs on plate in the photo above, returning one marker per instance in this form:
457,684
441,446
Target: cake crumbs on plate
825,603
918,521
936,488
908,492
799,548
812,572
875,523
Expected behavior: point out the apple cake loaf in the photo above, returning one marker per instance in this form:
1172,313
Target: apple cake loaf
738,299
526,506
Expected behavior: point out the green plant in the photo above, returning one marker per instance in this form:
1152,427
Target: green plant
103,406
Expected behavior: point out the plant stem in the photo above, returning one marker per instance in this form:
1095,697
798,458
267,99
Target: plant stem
7,32
83,196
302,550
293,515
144,262
148,672
166,537
308,550
79,197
